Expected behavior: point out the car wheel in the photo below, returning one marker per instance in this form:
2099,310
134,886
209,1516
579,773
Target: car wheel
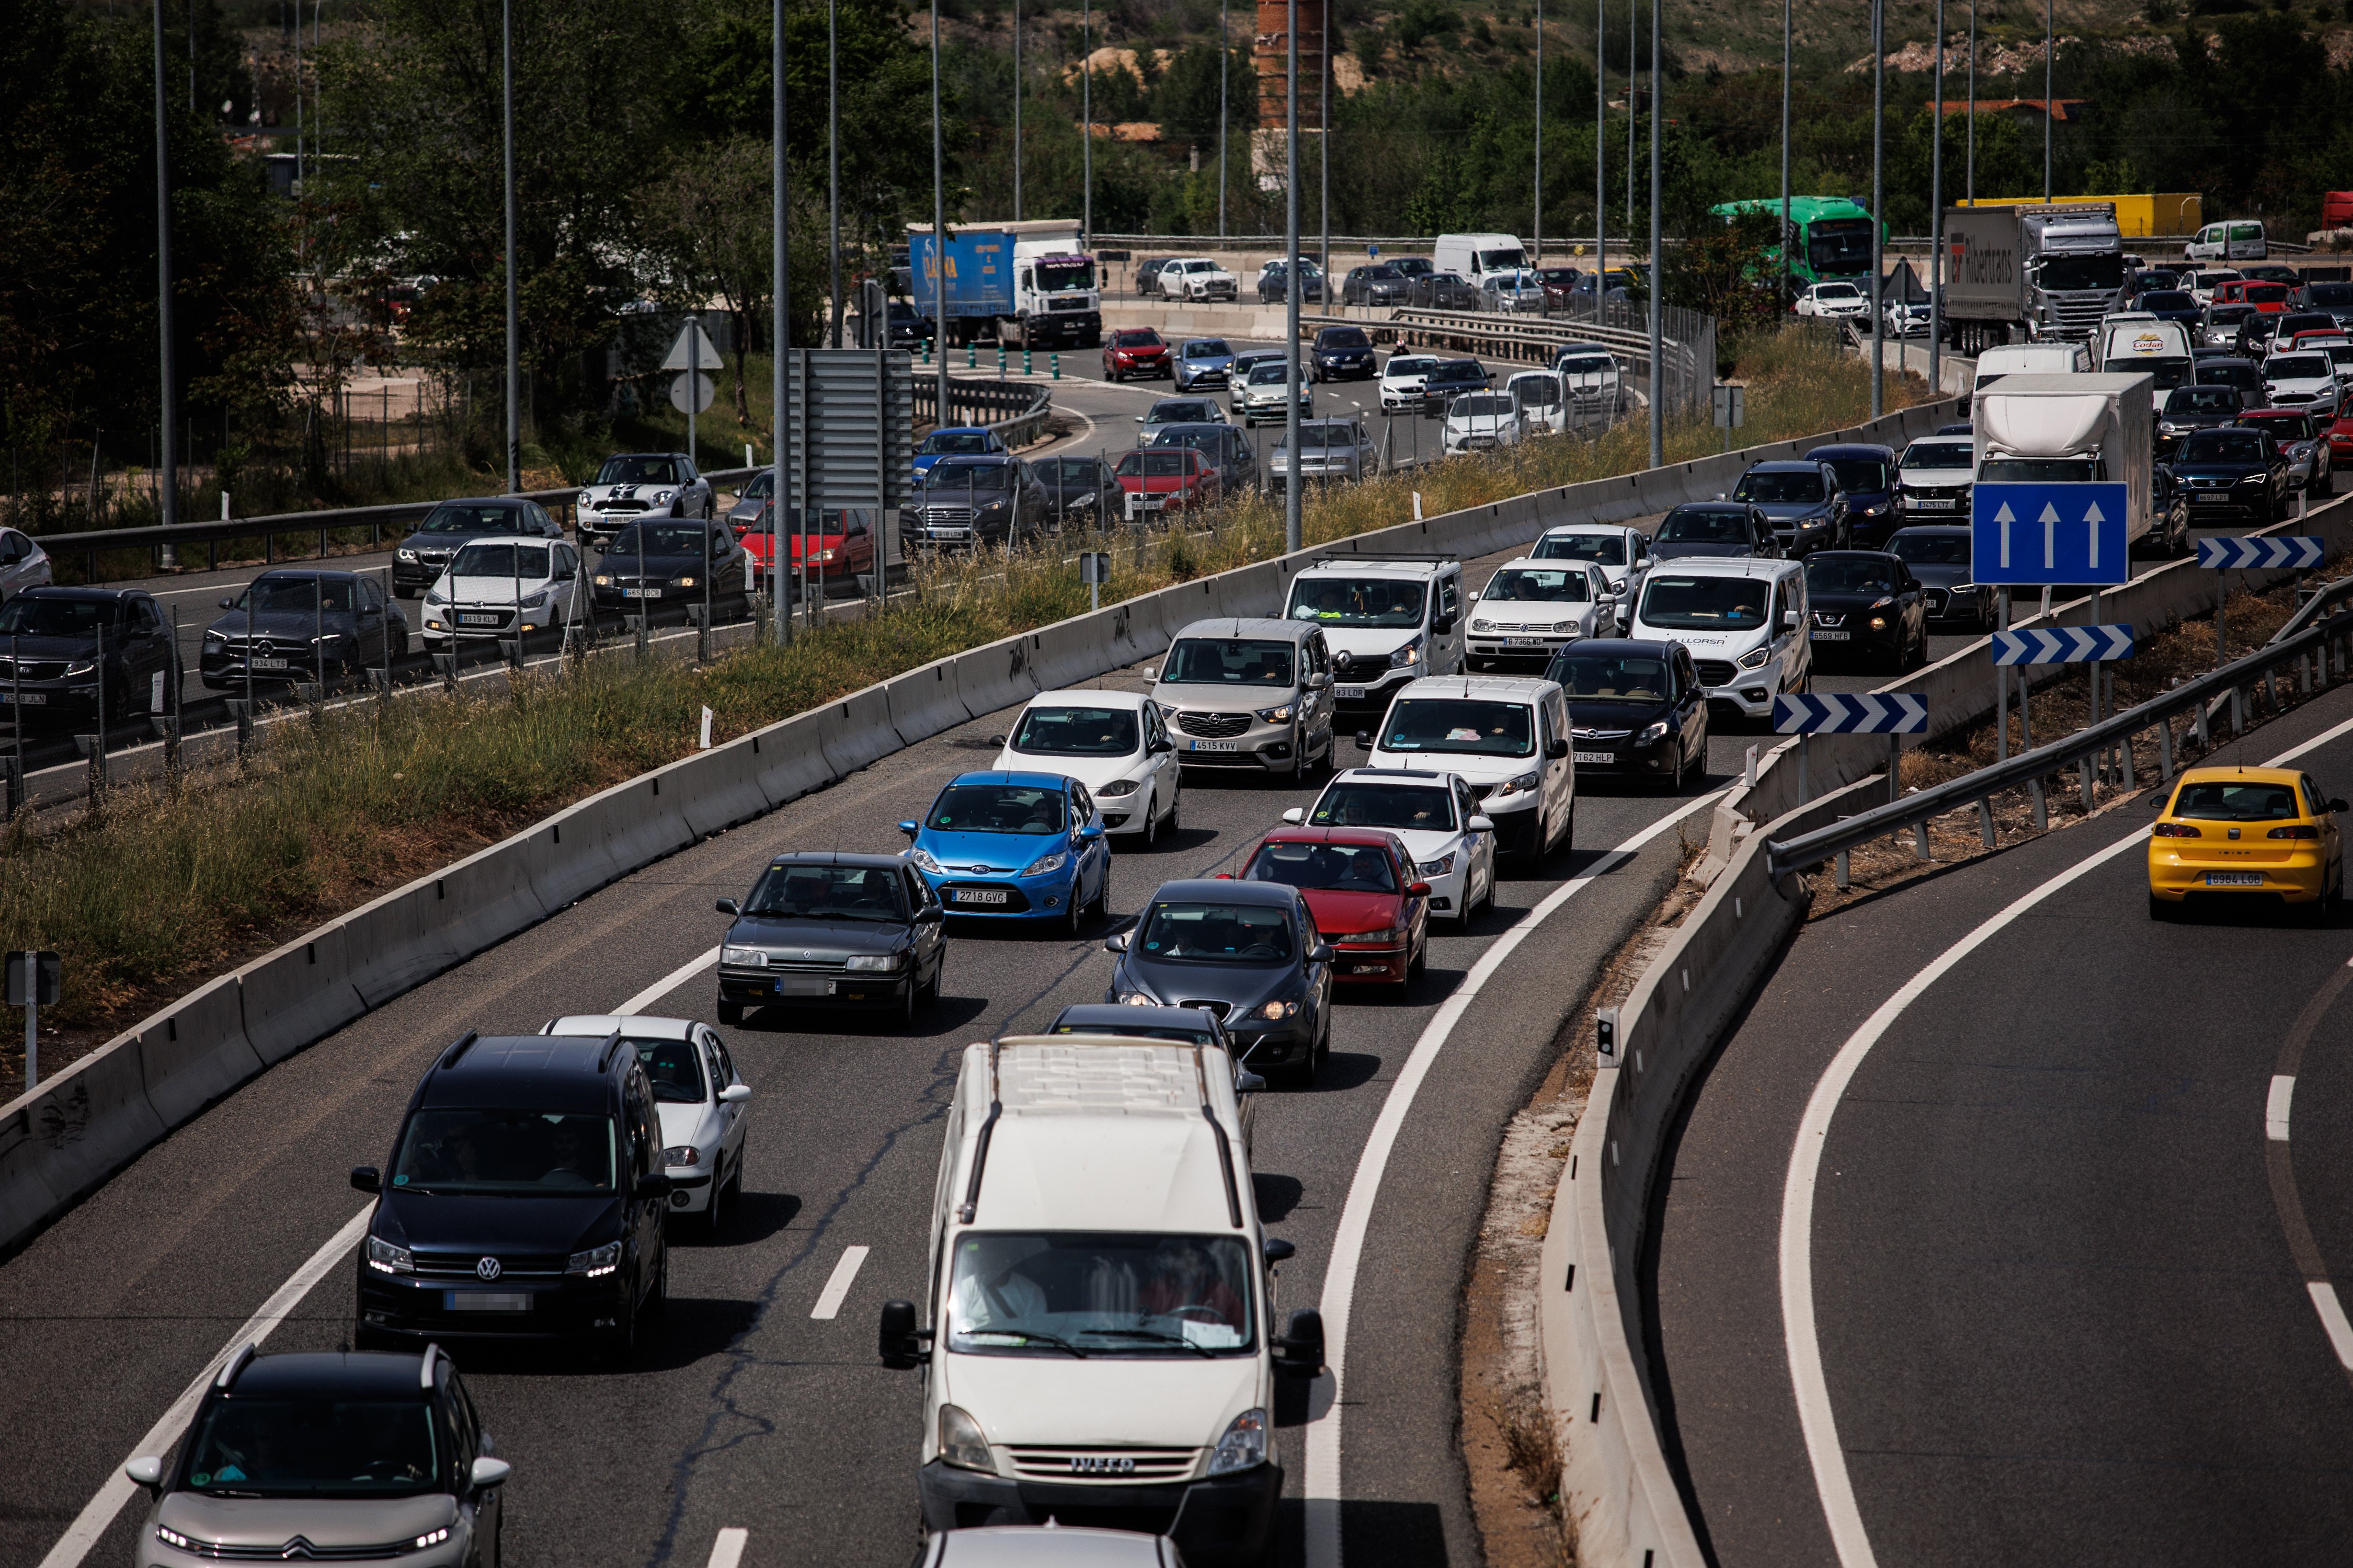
1102,895
1151,821
1419,964
907,1005
619,1346
1674,781
1070,922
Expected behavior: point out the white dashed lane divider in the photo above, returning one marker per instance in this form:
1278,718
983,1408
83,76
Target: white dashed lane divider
706,963
837,1287
2276,1107
727,1550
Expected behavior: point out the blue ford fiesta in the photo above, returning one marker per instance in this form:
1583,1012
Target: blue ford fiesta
1015,846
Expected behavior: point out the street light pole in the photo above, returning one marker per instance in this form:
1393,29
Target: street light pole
1602,154
1086,110
1658,273
1538,220
1972,192
1016,110
833,166
1788,275
515,379
780,292
167,488
1936,223
939,243
1225,106
1292,481
2047,52
1323,152
1878,203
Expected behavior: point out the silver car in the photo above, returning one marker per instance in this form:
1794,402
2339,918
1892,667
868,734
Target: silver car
1512,293
1337,448
750,507
327,1456
23,564
1260,396
632,485
1248,693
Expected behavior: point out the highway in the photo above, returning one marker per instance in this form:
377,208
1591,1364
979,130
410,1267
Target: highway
1992,1235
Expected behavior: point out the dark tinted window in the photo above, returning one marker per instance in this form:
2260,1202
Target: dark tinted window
639,471
287,594
1216,933
1229,661
674,1068
2202,400
1781,489
1078,731
1932,549
25,616
322,1448
1344,338
1000,808
1344,868
1707,525
1835,574
1610,678
799,892
662,539
2236,801
507,1153
2224,447
1376,803
2167,300
462,517
956,475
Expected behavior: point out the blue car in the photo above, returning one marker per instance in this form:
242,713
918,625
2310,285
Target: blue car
1203,361
1023,846
1866,474
958,441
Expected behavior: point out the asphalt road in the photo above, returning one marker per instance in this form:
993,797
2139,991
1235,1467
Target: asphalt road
2062,1311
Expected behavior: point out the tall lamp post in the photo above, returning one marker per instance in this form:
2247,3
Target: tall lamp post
780,293
1016,110
1538,221
1658,274
1878,203
1602,154
2047,52
833,160
168,478
1292,483
1936,223
939,243
514,379
1086,110
1225,107
1788,275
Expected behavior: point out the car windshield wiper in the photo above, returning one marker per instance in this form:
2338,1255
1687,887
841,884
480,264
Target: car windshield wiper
1155,1334
1028,1336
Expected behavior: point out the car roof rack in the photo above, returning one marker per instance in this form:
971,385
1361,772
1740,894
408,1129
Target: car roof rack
1324,555
449,1059
236,1364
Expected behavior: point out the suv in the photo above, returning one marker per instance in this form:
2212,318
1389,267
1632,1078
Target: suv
1196,278
1802,496
1506,737
1335,449
1073,1161
86,655
1744,622
1866,478
1935,477
1247,693
298,626
1449,380
327,1455
1388,620
524,1199
420,558
632,485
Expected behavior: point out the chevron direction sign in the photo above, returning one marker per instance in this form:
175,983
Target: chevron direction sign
2063,644
2038,534
1836,713
2249,554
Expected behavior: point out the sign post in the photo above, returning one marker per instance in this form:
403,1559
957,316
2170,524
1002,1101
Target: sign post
33,983
2248,552
1731,408
1094,571
2037,535
1893,714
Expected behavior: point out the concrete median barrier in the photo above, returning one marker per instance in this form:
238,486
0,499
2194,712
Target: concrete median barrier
789,765
923,703
856,731
301,993
194,1051
66,1136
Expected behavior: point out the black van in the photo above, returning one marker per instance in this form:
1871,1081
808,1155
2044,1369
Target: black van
524,1200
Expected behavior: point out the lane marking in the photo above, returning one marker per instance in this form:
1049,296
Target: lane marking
99,1513
668,984
727,1550
2276,1107
836,1285
1800,1335
1323,1479
2332,1319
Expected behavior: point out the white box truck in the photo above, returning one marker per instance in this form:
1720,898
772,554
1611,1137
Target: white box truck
2069,429
1475,258
1100,1331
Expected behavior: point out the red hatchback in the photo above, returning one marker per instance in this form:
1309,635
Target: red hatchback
1164,479
1136,351
839,546
2340,435
1359,885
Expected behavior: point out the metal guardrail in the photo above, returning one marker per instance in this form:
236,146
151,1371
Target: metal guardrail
1031,422
2323,636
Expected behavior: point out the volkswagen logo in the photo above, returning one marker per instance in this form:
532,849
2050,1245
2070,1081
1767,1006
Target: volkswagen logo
487,1268
1101,1465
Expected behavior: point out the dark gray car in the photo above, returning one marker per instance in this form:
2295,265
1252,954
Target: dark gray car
1444,291
419,560
1081,490
1714,528
1248,951
831,929
1938,555
1803,499
1380,284
1185,1026
280,613
1226,447
50,642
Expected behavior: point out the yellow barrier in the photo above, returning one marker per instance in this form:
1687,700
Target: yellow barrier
2137,217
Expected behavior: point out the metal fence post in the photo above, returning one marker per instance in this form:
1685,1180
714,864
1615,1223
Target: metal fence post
1984,822
2165,749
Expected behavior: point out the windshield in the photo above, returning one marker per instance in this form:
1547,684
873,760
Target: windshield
1272,372
1409,807
1861,473
1833,574
1837,291
1932,549
1328,436
1163,464
1705,525
464,517
2203,400
1601,548
1067,470
1936,455
1216,933
2225,446
2233,372
2279,427
1137,338
1334,867
2070,273
2297,367
1610,678
660,539
1229,662
1703,603
674,1068
284,593
2329,294
321,1448
1029,809
1536,391
956,475
2235,800
2038,470
1408,364
517,561
1537,584
1596,365
1065,277
1465,371
759,486
1459,725
1481,405
1205,440
1393,602
30,617
638,471
1189,411
1092,1293
1782,488
1839,245
955,442
799,890
1496,260
1345,338
1078,733
2266,294
2167,300
1208,348
507,1153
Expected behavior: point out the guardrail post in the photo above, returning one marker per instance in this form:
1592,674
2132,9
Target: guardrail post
1984,822
2304,673
1894,768
2165,749
1843,883
2041,810
2200,712
1920,841
1805,744
2238,718
11,786
2084,773
2124,749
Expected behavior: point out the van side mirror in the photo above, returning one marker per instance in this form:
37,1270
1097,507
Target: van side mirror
1443,625
1248,1083
1555,750
899,1342
1788,620
367,1179
654,1184
147,1470
1300,1351
1275,1249
728,906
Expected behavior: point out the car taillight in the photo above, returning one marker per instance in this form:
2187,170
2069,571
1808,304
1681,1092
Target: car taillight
2301,830
2176,830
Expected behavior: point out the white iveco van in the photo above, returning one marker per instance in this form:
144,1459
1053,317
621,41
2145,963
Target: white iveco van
1102,1339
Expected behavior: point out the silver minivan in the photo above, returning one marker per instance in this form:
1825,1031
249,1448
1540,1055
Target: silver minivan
1240,693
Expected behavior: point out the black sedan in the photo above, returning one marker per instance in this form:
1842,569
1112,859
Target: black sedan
1867,604
1938,556
967,501
1443,292
667,561
420,558
829,929
2234,473
1343,354
1715,528
2171,305
292,625
1081,490
1636,709
1449,381
1247,951
74,656
2198,406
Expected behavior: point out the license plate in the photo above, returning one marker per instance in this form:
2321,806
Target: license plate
979,895
32,699
269,664
1833,636
804,985
485,1300
2234,879
1931,504
1597,757
641,593
1524,642
1347,693
1216,745
2211,496
479,620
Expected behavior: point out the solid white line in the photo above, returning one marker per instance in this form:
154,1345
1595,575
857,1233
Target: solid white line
829,1300
727,1550
2332,1320
668,984
1800,1337
2276,1107
93,1519
1322,1479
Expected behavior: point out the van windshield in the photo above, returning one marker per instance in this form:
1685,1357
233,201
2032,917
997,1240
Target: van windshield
1460,725
1100,1293
1601,548
1356,600
1703,603
2038,470
1228,661
506,1153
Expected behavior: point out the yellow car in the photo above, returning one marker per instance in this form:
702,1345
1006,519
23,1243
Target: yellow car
2246,832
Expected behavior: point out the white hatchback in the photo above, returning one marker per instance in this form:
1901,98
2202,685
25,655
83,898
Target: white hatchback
1530,609
2300,378
698,1097
1436,814
502,587
1401,381
1480,421
1115,742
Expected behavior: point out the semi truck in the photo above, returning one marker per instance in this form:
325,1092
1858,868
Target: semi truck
1025,285
2030,270
2088,428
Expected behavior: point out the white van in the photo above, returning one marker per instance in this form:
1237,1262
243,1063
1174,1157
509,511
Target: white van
2240,240
1507,737
1387,619
1099,1297
1745,621
1476,257
2032,359
1543,407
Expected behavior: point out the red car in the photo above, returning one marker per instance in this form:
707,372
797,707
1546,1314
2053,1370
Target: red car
839,547
2340,435
1136,351
2268,298
1164,479
1360,885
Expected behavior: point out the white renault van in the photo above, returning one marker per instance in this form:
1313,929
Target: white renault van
1101,1337
1744,620
1387,619
1507,737
1476,257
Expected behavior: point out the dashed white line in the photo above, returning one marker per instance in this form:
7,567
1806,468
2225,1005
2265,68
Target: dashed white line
829,1300
2275,1109
727,1550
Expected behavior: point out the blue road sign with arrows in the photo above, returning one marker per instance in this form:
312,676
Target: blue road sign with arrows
2249,553
2045,533
2063,644
1850,713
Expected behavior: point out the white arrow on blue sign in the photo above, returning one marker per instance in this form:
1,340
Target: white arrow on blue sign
1857,713
2037,534
2063,644
2251,553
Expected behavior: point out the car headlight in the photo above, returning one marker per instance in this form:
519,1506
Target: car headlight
603,580
586,498
1481,626
684,583
386,1258
1525,784
404,553
1879,510
682,1154
434,596
1243,1448
1276,1010
1407,656
1138,999
1755,659
1277,715
431,1538
873,963
596,1262
535,600
749,957
1653,735
173,1537
1393,935
962,1442
923,861
661,495
85,667
1440,867
1046,863
1118,789
1879,622
217,636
